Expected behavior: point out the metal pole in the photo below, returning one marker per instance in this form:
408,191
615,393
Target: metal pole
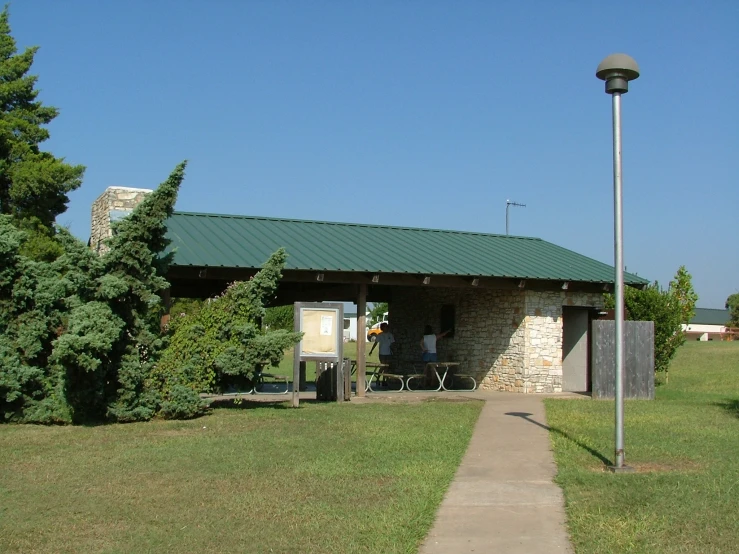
619,278
507,205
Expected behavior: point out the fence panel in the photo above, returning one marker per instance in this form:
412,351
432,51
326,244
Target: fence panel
638,359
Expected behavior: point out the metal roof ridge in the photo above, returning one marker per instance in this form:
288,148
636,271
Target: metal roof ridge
345,224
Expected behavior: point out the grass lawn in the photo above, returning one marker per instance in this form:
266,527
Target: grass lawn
685,447
252,478
350,351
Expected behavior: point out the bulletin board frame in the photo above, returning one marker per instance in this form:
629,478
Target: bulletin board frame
322,325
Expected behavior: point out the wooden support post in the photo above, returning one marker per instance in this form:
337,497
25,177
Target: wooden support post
296,361
361,339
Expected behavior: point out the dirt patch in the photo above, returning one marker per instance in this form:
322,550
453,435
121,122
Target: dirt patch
450,399
411,398
678,466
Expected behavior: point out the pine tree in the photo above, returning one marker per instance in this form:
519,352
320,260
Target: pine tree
33,184
79,335
137,261
222,344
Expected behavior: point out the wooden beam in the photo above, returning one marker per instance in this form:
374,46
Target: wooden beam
296,361
287,293
361,339
301,285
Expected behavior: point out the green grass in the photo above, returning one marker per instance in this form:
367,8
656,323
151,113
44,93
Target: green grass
685,448
252,478
350,351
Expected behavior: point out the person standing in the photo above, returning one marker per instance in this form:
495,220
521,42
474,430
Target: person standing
385,339
428,343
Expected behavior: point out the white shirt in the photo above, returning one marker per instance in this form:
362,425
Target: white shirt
384,340
429,343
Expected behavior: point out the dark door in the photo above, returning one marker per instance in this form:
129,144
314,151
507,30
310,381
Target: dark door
575,349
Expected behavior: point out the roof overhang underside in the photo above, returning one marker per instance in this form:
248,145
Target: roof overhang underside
317,285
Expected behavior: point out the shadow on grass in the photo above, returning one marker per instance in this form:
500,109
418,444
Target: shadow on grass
731,405
249,404
590,450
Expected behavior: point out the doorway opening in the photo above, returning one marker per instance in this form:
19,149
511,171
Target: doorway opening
576,376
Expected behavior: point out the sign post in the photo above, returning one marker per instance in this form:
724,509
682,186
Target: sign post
322,325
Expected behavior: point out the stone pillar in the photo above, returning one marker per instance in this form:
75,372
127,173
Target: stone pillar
115,203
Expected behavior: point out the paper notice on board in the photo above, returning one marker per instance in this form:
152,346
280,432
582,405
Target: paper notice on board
326,321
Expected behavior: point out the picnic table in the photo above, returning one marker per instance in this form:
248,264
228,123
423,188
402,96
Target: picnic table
377,370
442,370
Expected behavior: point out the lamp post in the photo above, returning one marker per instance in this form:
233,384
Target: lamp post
617,70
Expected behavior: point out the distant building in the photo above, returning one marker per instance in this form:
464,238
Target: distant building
350,326
707,324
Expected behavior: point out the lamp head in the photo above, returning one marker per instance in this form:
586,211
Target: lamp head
617,70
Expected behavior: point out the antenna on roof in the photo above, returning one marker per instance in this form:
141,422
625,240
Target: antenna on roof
507,204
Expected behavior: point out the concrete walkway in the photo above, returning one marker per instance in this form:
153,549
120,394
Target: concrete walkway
502,498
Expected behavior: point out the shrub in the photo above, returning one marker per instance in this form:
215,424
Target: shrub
182,402
79,334
668,309
222,344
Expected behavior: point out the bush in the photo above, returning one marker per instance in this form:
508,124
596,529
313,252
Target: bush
79,334
668,309
182,403
280,317
222,344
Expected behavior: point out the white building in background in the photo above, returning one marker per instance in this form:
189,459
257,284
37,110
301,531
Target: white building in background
707,324
350,326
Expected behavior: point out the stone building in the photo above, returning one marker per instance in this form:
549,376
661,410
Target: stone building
519,308
509,340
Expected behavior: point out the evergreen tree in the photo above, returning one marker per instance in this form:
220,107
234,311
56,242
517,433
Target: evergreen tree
222,344
79,335
33,184
135,261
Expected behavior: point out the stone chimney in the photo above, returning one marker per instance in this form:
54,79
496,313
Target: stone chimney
114,204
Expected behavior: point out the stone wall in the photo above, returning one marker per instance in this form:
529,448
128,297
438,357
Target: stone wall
542,370
111,205
508,340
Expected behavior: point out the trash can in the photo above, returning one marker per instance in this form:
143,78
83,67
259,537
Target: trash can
333,381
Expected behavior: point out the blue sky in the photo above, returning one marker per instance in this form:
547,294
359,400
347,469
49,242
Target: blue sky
427,114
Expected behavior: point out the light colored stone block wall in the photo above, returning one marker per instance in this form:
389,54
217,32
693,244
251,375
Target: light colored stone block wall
509,340
123,199
488,330
543,330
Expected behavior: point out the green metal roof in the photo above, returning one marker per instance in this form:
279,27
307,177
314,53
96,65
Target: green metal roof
210,240
710,316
